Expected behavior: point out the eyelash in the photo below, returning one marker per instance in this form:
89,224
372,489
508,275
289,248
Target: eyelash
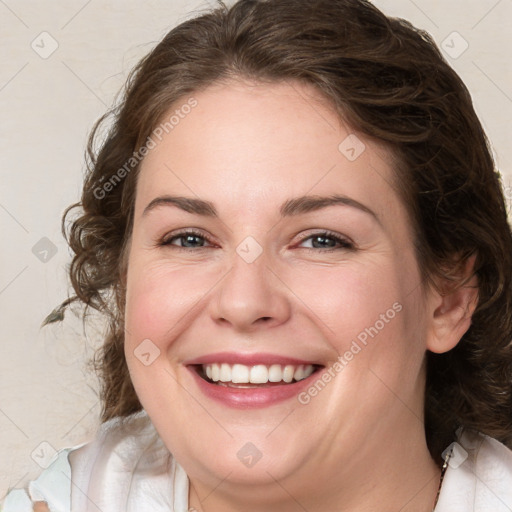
344,243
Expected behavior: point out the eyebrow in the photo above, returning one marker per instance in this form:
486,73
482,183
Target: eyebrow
291,207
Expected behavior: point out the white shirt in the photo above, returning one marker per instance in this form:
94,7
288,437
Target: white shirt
127,468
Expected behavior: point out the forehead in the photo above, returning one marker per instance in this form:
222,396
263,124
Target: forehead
247,146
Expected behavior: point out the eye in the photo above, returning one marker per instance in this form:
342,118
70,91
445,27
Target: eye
189,239
327,241
324,241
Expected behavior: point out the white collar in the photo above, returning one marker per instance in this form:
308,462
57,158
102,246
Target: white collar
127,468
478,477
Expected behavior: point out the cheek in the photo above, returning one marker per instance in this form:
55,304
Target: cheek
349,299
160,297
371,311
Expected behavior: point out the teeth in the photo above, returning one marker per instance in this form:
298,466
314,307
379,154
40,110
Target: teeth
215,372
225,372
288,373
257,374
275,374
239,373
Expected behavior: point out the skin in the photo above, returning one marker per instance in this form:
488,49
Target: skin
360,443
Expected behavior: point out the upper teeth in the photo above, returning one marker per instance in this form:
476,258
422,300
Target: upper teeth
258,374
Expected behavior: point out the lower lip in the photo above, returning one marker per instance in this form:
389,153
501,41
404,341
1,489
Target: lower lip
246,398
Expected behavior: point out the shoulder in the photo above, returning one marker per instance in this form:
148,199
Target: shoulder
478,476
52,486
126,463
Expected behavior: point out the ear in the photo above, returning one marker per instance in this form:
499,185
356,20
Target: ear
450,311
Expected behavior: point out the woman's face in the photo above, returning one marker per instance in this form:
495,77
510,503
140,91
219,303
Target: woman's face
287,251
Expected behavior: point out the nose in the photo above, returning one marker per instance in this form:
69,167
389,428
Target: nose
250,295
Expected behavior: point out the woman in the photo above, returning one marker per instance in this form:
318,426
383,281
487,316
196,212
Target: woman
298,235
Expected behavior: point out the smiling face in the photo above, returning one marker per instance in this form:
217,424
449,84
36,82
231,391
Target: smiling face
287,254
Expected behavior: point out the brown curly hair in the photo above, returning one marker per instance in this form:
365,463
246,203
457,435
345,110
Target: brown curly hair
386,79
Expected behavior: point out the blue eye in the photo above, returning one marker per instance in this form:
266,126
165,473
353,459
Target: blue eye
324,241
327,242
188,240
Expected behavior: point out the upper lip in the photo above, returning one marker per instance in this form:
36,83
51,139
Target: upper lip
248,359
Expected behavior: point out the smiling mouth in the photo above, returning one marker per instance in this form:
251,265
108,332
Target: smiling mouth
255,376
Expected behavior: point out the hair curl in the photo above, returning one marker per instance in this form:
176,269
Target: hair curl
386,79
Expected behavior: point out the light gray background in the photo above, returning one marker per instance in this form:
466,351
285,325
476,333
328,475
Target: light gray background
48,106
